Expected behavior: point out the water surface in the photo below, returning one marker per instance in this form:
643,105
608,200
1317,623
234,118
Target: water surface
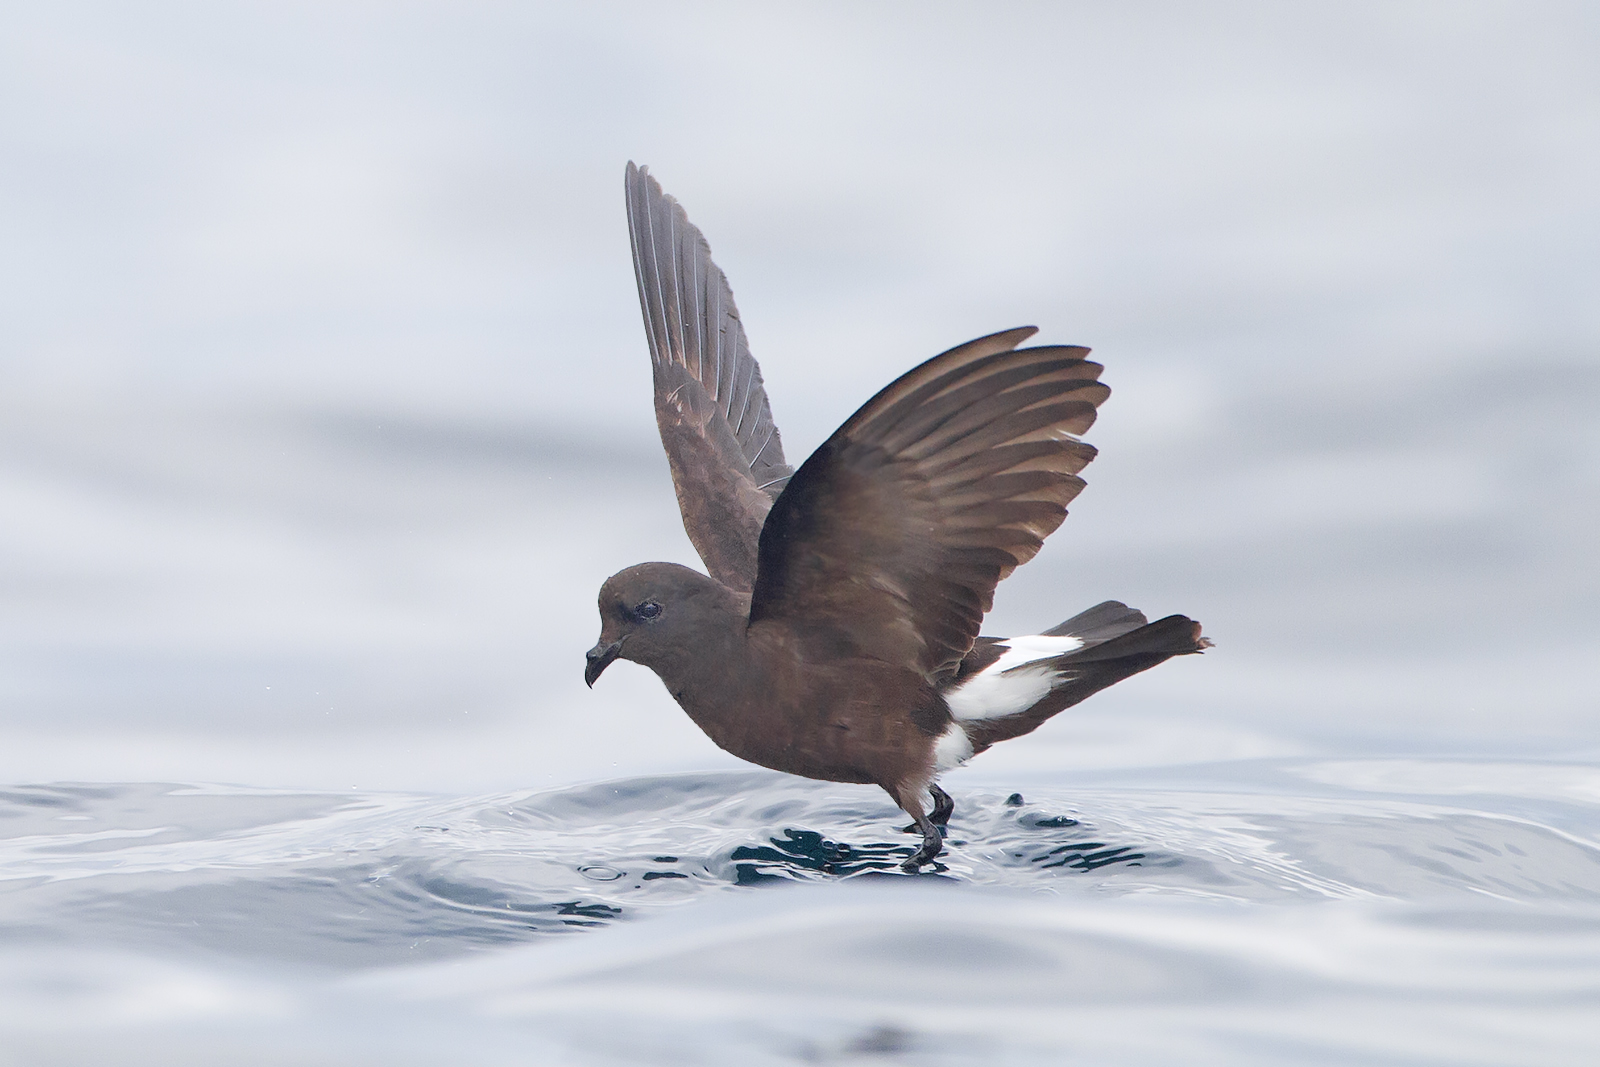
1401,911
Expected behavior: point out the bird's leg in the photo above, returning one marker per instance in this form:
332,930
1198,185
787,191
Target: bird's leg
943,806
910,801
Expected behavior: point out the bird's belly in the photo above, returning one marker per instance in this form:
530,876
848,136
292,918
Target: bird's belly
849,730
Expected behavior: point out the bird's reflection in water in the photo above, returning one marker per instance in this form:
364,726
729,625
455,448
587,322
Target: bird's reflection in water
802,854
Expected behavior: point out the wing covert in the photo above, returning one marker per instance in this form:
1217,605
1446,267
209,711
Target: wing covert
892,536
711,408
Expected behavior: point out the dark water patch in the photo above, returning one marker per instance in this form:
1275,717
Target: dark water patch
592,913
1088,856
800,854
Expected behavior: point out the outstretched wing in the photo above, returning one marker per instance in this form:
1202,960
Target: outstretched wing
890,539
727,462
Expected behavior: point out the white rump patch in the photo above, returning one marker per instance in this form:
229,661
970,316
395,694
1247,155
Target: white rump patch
1020,651
1010,685
952,749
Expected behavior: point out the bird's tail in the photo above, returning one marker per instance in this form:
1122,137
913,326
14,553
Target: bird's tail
1115,643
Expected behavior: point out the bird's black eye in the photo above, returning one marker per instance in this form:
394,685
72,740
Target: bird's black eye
648,610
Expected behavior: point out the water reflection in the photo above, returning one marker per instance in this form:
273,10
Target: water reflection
801,853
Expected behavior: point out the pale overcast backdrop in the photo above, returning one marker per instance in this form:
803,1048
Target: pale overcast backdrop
324,404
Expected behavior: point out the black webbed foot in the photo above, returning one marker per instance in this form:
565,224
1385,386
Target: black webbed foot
932,845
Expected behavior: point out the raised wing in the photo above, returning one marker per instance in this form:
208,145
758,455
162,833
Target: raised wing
890,539
727,462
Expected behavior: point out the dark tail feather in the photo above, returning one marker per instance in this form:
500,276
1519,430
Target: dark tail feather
1100,623
1175,635
1088,670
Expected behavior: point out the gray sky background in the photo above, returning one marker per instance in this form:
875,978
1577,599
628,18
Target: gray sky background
324,404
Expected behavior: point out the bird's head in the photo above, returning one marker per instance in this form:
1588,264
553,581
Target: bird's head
656,614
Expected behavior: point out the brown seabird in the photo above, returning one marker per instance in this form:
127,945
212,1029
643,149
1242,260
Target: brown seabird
837,634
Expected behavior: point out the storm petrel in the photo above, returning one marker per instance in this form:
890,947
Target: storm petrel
836,636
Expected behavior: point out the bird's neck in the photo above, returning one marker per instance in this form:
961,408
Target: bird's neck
698,677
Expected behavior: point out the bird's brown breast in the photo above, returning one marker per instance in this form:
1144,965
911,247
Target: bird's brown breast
841,720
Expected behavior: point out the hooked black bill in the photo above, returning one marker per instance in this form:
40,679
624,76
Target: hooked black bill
599,658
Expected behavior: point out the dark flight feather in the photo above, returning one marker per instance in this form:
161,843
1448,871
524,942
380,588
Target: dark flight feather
894,534
716,425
